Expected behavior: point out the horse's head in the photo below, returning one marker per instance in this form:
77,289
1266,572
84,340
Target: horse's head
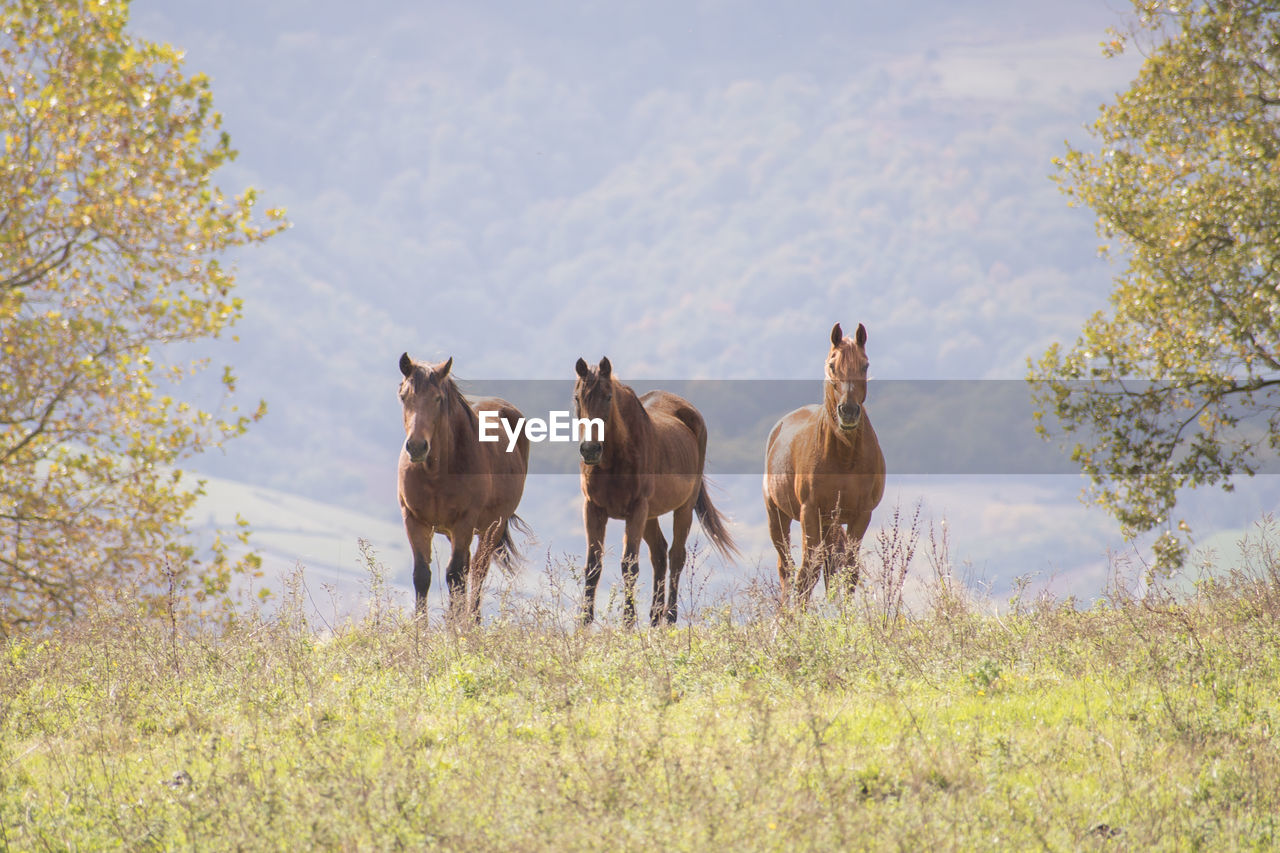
847,377
423,395
593,398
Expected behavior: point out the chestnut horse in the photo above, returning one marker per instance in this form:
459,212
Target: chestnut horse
824,468
650,462
452,483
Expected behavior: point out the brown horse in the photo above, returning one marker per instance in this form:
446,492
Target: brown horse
452,483
824,468
650,462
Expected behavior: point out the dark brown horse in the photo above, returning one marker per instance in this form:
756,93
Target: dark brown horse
650,462
824,468
452,483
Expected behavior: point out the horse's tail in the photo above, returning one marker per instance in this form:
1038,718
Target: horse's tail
506,553
713,523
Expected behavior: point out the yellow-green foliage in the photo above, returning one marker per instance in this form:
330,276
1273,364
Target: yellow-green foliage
1181,174
1130,726
113,242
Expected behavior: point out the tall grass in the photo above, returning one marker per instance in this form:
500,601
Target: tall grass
869,723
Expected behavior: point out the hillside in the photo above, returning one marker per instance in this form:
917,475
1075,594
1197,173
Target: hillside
1015,531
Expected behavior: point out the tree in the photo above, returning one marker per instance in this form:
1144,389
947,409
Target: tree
111,232
1186,179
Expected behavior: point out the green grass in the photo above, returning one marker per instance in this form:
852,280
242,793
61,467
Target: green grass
1130,726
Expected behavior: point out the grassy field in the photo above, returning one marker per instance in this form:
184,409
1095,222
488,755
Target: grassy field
1130,726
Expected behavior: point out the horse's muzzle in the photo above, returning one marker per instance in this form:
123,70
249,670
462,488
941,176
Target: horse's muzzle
849,415
417,449
591,452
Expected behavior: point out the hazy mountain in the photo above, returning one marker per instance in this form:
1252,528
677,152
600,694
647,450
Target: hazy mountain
697,190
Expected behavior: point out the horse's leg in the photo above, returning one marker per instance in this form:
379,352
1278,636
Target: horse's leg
780,533
488,544
681,521
810,552
420,536
631,539
459,562
594,519
857,529
658,556
833,548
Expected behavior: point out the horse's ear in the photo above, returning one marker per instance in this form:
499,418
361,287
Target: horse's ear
406,365
443,370
581,367
861,335
836,335
606,369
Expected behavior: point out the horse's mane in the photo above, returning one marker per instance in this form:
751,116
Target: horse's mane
454,398
629,393
633,410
